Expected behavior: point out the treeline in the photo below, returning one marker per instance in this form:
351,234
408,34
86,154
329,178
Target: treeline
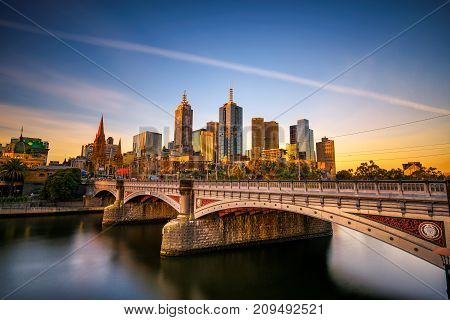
371,171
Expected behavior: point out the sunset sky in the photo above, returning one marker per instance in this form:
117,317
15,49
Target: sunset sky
133,56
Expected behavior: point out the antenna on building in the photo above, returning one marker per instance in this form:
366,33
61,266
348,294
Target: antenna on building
21,133
230,95
184,96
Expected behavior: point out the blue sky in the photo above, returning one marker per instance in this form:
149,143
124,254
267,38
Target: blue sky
58,95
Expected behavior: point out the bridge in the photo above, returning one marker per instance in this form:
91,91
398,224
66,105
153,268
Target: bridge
410,215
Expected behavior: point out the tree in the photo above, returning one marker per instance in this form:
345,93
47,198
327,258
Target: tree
344,174
63,185
13,171
370,171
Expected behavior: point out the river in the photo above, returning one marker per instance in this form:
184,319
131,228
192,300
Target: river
69,257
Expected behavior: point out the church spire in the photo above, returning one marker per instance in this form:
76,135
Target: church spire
21,134
118,158
101,129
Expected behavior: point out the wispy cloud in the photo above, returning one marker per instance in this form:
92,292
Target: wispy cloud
75,92
182,56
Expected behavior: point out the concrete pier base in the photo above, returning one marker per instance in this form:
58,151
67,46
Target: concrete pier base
138,213
183,236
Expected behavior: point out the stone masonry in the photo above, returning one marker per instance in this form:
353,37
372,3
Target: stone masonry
138,212
184,236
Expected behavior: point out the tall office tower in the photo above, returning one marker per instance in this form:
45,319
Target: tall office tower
230,130
146,144
257,137
183,127
293,134
271,135
304,138
213,126
325,155
203,144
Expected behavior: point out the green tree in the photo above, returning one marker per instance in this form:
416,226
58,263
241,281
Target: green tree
370,171
13,171
63,185
344,174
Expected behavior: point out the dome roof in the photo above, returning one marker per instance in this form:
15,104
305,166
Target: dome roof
20,147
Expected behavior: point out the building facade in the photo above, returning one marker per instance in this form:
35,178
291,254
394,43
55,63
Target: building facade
203,144
147,144
213,126
230,131
303,137
183,128
258,137
326,156
31,151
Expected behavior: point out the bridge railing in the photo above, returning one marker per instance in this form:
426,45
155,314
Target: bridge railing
387,188
408,189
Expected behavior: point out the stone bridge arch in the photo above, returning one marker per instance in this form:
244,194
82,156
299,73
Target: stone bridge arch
171,201
383,226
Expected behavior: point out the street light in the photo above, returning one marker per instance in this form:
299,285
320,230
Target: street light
445,256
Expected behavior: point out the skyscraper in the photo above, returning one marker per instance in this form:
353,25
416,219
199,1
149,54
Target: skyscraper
325,155
203,144
230,130
183,128
257,137
265,136
271,135
147,144
303,137
213,126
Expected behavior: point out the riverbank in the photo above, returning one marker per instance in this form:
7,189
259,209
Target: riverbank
46,211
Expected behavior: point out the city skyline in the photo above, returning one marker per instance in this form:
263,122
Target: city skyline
62,104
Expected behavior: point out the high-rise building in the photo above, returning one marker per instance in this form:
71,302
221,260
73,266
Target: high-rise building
257,137
183,127
293,134
325,155
230,130
99,148
265,136
271,135
147,144
213,126
203,144
304,138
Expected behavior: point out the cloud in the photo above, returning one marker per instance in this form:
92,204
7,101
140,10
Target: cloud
182,56
74,91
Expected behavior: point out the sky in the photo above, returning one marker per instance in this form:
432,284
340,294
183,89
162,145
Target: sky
131,61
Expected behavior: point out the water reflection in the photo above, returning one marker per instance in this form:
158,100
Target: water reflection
124,263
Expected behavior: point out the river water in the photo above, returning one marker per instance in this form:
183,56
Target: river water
66,257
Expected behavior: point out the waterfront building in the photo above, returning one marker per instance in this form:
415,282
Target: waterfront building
273,154
31,151
183,128
303,137
213,126
230,130
147,144
291,152
257,137
271,135
203,144
265,136
326,156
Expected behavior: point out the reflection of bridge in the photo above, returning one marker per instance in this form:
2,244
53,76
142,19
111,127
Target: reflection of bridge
413,216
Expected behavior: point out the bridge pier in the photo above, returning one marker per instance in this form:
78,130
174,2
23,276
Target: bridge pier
185,235
136,212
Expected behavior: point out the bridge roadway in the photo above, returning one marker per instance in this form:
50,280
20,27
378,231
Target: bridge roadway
410,215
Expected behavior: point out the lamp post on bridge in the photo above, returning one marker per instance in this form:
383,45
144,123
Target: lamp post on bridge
445,256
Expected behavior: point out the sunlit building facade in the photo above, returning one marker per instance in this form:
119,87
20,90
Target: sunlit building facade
326,156
230,131
183,128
